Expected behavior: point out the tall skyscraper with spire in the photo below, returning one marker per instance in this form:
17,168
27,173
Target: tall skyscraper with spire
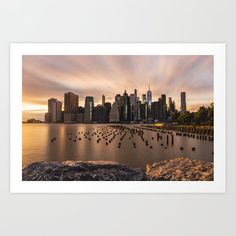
149,96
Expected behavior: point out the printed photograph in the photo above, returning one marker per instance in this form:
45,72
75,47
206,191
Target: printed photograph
117,118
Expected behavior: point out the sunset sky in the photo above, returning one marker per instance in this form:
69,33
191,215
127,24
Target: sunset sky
45,77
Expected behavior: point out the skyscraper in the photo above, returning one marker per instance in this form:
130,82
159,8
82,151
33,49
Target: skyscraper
118,102
154,110
103,99
144,98
114,113
54,113
183,102
99,114
135,104
164,106
125,107
107,105
52,110
88,113
58,111
149,96
71,103
132,106
171,106
80,115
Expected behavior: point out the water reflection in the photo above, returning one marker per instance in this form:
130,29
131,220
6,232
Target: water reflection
98,142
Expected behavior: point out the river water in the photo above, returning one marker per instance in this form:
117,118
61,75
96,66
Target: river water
60,142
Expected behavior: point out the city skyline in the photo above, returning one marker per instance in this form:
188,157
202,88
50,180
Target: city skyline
51,76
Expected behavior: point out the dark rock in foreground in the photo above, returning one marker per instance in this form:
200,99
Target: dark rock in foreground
181,169
79,170
178,169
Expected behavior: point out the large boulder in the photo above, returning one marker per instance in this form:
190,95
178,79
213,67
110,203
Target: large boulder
181,169
81,170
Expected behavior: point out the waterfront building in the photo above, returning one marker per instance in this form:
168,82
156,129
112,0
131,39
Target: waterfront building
58,111
118,102
138,110
144,112
80,115
99,114
103,99
88,112
125,107
183,102
164,107
52,112
132,107
171,107
154,110
71,103
114,113
107,105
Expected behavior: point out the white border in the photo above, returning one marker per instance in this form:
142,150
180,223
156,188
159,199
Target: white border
19,186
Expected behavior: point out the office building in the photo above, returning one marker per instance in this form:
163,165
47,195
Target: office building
125,108
107,105
114,113
80,115
132,107
71,103
99,114
103,99
171,106
88,112
58,111
183,102
164,106
52,111
154,110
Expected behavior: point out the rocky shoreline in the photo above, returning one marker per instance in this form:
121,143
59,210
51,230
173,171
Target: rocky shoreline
178,169
181,169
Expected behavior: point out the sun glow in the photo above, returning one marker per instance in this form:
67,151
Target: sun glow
36,108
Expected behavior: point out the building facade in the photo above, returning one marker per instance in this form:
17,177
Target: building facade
183,102
114,113
149,96
103,99
58,111
99,114
88,109
71,103
125,108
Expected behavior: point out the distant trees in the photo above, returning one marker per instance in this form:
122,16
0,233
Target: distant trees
204,116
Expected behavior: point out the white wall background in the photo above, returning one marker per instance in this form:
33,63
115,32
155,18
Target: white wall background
117,21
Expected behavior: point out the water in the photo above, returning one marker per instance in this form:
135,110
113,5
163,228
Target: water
37,145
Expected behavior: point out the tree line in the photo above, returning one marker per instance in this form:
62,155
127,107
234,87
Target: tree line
203,116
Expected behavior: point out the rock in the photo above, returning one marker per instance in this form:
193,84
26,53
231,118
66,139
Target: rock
181,169
81,170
